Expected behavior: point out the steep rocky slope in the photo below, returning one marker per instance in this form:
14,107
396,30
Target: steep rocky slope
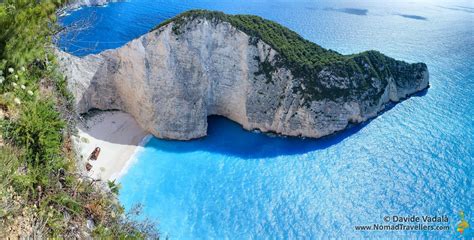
245,68
86,3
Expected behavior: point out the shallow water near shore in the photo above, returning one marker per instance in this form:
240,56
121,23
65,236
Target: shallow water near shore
415,159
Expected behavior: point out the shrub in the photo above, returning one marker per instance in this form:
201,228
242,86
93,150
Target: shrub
41,193
39,130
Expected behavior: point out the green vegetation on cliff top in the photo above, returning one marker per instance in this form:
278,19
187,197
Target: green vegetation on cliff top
306,59
288,43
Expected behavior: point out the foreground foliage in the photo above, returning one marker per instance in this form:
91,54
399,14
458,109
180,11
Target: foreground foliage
42,194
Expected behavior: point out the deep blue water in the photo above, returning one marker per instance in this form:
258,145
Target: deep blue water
415,159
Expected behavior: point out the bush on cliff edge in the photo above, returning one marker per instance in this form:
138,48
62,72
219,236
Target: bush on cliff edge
42,194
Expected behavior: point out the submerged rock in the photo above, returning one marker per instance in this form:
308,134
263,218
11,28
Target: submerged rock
250,70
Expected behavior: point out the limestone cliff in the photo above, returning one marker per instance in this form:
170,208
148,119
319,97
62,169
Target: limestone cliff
206,63
86,3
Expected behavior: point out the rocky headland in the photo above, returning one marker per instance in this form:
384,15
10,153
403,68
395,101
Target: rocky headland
248,69
85,3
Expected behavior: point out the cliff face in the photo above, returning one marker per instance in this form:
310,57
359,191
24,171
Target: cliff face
172,78
86,3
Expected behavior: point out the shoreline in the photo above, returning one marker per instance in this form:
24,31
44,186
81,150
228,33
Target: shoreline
133,158
78,4
119,138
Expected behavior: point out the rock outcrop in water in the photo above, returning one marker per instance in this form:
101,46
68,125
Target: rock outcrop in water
248,69
86,3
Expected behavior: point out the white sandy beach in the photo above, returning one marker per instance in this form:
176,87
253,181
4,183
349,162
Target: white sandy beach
119,137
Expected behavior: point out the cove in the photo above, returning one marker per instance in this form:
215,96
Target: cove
415,159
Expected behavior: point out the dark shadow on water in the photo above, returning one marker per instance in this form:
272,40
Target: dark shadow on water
469,8
421,93
353,11
459,8
229,138
416,17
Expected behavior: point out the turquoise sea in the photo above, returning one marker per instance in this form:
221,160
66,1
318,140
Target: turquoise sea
416,159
